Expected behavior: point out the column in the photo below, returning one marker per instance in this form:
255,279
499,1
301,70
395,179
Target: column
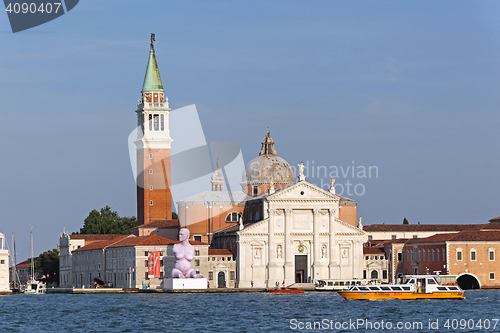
316,246
332,266
271,251
289,264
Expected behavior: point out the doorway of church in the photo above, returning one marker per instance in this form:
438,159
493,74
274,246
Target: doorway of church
221,280
300,268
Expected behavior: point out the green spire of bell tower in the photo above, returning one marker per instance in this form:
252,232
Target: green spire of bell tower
152,79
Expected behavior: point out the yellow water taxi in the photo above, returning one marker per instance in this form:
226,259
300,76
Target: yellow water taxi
415,287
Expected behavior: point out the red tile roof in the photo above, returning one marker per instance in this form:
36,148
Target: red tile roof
94,237
477,236
144,241
432,239
373,250
150,240
491,226
159,224
132,240
25,263
219,252
420,227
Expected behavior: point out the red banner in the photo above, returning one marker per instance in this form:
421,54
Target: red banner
154,264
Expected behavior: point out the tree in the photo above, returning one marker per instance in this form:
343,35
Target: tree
47,266
107,222
174,216
405,221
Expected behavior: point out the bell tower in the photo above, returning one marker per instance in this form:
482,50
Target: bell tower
154,199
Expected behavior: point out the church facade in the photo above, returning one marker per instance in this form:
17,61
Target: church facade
291,232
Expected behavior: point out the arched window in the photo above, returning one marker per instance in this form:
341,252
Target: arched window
233,217
374,275
438,254
433,257
419,255
423,254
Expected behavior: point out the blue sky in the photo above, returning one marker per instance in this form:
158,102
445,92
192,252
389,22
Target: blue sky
411,87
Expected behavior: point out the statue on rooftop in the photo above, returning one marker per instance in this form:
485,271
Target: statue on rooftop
184,254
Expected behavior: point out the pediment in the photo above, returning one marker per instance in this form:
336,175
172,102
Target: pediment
345,228
260,227
303,191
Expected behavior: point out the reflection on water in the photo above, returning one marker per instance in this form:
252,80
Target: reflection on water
235,312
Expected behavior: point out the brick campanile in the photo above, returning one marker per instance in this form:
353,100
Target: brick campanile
154,199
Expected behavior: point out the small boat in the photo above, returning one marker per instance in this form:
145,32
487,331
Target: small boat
415,287
286,291
34,287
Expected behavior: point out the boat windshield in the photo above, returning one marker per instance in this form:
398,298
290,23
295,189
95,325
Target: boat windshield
409,281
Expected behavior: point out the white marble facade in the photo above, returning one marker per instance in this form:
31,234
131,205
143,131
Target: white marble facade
301,238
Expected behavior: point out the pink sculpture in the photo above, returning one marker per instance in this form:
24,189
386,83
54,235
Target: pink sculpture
184,253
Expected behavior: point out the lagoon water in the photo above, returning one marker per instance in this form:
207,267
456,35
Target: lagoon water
244,312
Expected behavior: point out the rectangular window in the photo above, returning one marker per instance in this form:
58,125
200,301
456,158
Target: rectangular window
492,255
197,238
370,238
210,275
232,275
146,254
400,256
162,126
384,274
367,257
381,257
473,255
364,274
150,156
150,122
415,236
375,257
2,261
459,255
393,237
492,276
197,262
196,252
161,275
255,190
145,263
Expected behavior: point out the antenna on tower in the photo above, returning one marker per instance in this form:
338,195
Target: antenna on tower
152,40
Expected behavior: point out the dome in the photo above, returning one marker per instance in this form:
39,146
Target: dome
217,176
264,168
267,167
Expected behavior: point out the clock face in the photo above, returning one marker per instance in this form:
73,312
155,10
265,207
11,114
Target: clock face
147,97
